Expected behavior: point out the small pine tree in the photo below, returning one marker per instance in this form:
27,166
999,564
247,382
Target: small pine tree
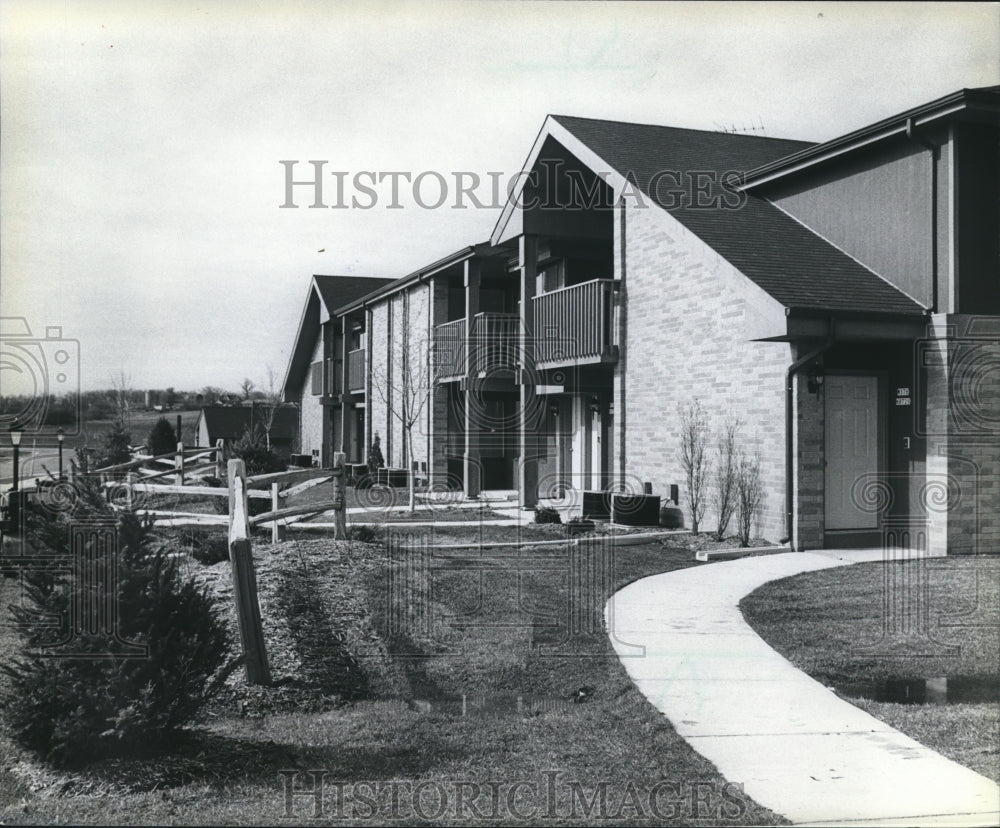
116,446
98,703
162,438
257,457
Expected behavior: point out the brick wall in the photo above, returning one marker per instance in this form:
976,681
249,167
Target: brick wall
399,322
312,412
438,416
417,339
962,493
690,317
808,428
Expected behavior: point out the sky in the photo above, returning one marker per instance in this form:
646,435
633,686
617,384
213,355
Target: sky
140,183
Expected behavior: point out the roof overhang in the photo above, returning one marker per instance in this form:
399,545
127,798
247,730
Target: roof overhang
849,326
416,277
314,314
966,104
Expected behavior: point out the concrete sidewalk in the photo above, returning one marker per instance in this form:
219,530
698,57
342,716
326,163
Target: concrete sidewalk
796,747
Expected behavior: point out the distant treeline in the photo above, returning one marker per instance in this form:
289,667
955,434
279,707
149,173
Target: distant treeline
106,404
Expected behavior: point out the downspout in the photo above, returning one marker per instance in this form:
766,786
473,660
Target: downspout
934,150
790,373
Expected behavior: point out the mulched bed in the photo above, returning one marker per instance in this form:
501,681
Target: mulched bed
704,540
318,622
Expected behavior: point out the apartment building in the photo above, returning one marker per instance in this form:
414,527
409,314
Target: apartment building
842,300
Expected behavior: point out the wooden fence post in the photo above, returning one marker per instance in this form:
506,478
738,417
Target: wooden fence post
179,465
278,529
245,579
339,497
218,458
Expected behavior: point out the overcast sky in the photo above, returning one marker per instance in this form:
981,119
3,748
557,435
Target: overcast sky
141,142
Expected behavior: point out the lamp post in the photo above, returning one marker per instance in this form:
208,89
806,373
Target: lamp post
15,440
60,436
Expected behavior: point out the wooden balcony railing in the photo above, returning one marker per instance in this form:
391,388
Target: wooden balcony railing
356,371
496,342
449,349
573,325
334,377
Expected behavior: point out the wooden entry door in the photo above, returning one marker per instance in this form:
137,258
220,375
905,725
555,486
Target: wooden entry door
852,448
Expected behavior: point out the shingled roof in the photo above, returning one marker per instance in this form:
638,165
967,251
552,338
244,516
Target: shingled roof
337,291
789,261
331,292
232,422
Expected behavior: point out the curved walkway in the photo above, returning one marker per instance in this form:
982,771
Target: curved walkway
795,746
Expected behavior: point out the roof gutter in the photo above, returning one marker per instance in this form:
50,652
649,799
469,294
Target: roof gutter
790,373
886,128
417,276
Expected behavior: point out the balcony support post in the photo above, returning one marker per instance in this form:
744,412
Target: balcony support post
345,388
473,417
438,287
527,484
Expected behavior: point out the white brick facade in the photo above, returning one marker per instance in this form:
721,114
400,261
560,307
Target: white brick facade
690,319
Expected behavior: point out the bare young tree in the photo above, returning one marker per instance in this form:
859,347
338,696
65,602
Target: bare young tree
247,387
749,496
694,460
269,405
121,392
405,395
726,469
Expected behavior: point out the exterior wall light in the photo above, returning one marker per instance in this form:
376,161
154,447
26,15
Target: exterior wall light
814,381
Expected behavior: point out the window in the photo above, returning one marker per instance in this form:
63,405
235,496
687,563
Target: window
551,276
317,378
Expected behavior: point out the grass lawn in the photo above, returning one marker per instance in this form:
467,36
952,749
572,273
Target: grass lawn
838,626
371,654
92,432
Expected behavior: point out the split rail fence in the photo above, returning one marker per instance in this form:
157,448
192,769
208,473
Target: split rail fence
195,465
199,472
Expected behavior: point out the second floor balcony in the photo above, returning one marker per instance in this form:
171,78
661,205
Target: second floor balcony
356,366
333,385
571,326
449,350
495,346
574,325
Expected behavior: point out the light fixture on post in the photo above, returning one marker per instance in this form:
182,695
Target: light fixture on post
554,409
15,431
594,405
60,436
814,380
